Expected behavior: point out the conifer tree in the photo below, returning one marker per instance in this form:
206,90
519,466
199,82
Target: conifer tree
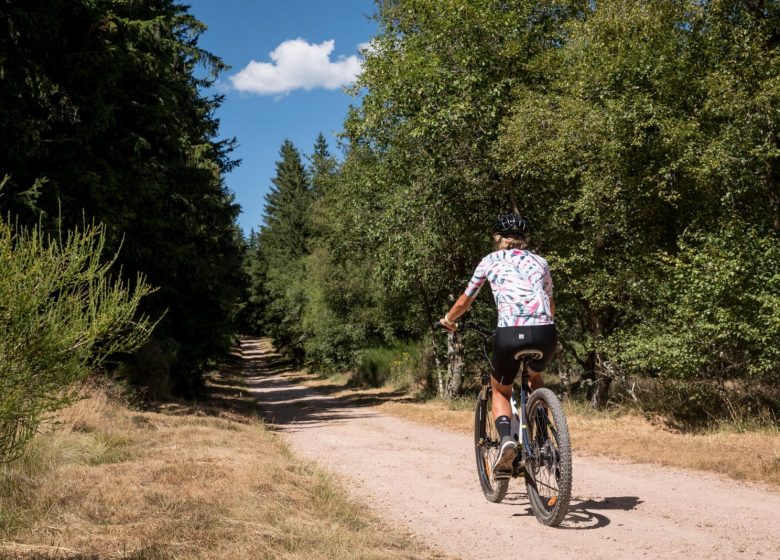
255,269
103,119
286,209
283,246
323,167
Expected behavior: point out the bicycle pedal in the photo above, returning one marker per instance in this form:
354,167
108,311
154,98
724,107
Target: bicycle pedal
501,475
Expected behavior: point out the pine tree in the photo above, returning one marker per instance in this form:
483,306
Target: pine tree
283,246
323,167
256,296
101,113
286,209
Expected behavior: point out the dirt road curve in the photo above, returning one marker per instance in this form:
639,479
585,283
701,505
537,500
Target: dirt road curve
426,480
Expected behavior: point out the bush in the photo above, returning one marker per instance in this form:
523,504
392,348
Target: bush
695,404
401,365
713,335
341,316
61,317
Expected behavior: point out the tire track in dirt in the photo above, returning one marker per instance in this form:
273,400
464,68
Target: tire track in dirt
425,479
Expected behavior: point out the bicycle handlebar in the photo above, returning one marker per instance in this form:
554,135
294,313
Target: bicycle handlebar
476,328
463,327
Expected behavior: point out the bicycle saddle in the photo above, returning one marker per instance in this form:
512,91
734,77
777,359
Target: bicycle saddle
529,354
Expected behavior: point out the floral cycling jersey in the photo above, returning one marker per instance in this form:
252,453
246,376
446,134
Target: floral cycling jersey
522,286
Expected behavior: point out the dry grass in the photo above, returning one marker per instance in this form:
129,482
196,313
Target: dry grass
111,482
627,435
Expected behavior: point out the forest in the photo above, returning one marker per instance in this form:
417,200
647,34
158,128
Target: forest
640,139
118,240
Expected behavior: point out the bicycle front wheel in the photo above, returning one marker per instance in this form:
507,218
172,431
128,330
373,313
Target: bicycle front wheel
486,445
548,471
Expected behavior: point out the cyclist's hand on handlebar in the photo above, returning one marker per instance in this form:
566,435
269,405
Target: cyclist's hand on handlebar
450,326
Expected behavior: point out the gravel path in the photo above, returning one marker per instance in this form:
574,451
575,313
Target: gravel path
425,479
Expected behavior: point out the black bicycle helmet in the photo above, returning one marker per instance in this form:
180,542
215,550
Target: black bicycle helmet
511,224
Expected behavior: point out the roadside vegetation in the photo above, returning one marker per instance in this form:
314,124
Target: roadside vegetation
62,317
118,241
105,480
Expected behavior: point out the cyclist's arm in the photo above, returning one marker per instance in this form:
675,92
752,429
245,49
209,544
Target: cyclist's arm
459,308
464,301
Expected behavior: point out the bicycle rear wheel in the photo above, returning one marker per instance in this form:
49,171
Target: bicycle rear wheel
486,445
548,472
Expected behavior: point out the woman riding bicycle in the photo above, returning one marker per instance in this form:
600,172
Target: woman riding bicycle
522,287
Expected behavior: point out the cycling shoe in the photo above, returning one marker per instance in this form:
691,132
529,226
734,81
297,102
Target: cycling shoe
506,456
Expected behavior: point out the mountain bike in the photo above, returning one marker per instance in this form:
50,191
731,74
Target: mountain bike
539,426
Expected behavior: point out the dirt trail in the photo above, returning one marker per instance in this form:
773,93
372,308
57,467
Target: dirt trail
426,480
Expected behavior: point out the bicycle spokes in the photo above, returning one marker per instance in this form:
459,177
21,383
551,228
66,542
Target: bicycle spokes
542,425
490,445
487,447
489,455
544,466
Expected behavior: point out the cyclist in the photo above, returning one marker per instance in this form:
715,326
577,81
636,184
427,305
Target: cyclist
523,290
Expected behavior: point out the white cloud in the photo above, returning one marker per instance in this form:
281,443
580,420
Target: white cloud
297,64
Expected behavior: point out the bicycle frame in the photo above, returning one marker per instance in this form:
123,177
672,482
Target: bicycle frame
522,428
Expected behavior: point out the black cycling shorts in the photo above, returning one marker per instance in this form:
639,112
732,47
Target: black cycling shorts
507,341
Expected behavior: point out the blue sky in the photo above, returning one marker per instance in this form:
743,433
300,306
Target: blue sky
268,102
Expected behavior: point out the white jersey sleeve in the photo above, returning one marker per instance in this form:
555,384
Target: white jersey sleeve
477,280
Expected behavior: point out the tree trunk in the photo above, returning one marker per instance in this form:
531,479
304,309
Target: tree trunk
437,365
456,364
601,380
564,371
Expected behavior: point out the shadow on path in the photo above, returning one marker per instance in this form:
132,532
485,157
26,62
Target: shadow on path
283,401
582,513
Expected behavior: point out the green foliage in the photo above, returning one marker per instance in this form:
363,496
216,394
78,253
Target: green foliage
101,110
255,296
348,308
640,139
309,292
715,313
277,257
437,83
62,316
323,167
339,316
633,148
401,366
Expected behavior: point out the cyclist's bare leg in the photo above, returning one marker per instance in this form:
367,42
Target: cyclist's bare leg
535,379
502,413
501,396
503,393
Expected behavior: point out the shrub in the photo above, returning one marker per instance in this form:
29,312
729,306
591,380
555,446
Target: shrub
61,317
401,365
713,335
